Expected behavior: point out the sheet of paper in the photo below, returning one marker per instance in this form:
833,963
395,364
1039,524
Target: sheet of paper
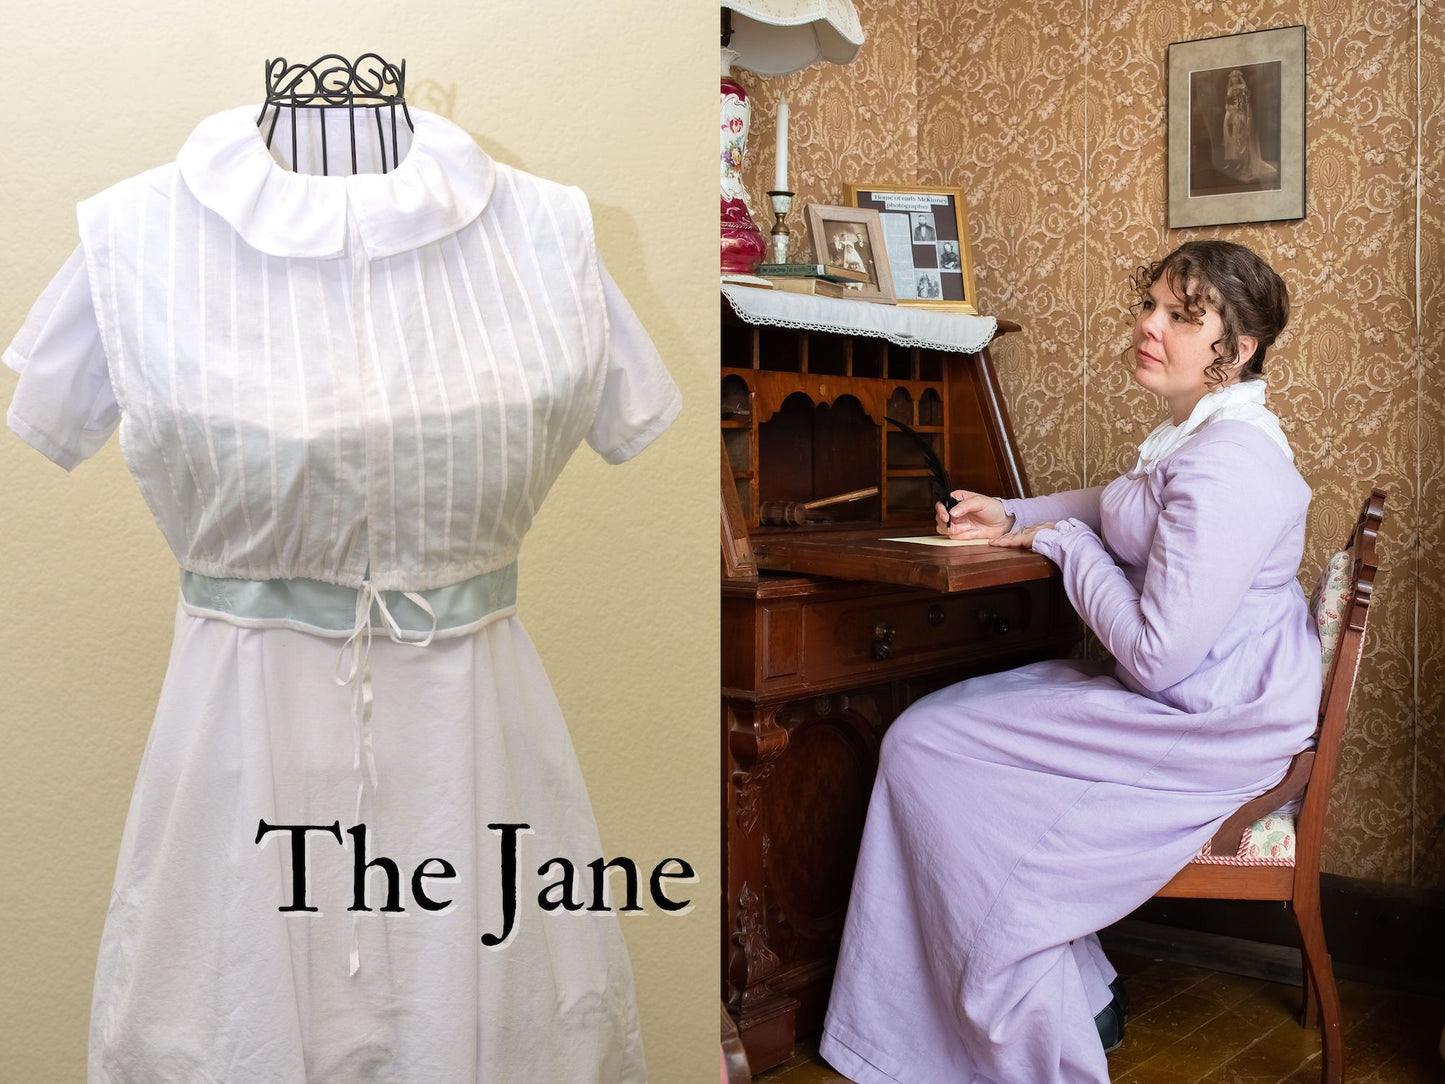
939,540
898,237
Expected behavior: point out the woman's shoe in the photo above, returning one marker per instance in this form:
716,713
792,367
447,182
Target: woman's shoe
1111,1027
1110,1020
1121,996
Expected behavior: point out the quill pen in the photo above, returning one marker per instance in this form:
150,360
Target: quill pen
942,488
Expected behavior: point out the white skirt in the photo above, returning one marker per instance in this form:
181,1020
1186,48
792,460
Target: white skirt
201,978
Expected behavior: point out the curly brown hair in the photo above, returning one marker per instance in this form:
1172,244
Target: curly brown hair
1250,297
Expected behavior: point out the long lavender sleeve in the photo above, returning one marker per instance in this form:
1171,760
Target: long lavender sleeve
1223,513
1080,504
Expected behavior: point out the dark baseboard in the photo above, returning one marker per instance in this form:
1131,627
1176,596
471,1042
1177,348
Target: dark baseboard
1376,933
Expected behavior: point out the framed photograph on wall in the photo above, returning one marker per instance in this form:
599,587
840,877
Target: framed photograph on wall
1237,128
853,239
927,242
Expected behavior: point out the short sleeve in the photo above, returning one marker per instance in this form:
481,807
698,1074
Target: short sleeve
639,397
64,405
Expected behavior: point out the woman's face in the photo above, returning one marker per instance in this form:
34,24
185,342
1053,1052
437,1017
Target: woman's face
1172,350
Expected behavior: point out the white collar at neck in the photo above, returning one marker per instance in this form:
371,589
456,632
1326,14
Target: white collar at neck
442,183
1241,401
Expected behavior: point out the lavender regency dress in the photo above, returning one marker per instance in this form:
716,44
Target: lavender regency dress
1016,814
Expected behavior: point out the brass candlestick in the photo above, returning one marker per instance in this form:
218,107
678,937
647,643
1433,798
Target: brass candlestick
782,203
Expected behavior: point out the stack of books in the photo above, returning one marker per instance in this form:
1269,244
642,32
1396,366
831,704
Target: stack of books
824,280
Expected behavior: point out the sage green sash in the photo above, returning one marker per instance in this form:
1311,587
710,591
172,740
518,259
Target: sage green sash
330,607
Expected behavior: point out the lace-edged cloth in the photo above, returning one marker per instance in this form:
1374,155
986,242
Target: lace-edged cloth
902,326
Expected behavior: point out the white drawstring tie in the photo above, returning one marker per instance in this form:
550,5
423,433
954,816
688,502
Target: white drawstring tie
361,699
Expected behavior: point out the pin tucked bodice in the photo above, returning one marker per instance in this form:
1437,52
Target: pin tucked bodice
300,416
376,376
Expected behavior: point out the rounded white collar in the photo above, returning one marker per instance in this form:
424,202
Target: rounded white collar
1242,401
441,185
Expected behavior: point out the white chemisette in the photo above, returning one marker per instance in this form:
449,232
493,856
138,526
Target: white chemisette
1242,401
343,398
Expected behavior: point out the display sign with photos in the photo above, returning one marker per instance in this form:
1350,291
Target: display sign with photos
924,233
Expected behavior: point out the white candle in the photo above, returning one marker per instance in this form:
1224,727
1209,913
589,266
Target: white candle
780,176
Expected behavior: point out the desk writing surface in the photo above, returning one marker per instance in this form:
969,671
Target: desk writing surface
866,553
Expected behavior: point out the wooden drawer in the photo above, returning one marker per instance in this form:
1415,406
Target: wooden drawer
883,634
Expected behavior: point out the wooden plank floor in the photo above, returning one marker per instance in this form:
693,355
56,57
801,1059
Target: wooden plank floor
1192,1026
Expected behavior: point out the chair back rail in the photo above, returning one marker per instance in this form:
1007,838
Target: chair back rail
1339,689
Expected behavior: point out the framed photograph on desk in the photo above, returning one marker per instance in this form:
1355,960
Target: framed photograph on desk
928,251
852,239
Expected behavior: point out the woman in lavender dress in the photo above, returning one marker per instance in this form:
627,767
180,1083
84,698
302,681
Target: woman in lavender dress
1016,814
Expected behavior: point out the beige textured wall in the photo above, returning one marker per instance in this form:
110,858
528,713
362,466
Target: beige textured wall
1051,116
100,92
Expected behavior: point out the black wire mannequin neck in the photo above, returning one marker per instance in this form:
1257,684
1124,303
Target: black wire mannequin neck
369,84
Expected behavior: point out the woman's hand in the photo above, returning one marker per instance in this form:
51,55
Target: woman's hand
1023,539
974,516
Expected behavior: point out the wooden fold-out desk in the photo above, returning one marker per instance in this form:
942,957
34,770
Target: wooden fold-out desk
829,631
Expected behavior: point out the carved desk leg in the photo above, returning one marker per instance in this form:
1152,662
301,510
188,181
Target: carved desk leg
765,1015
799,773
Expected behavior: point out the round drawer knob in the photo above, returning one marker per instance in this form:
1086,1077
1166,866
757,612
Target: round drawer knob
936,615
883,634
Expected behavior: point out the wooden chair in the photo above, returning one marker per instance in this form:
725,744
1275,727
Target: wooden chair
1251,872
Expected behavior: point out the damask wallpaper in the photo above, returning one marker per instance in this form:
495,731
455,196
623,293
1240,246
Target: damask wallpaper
1050,115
